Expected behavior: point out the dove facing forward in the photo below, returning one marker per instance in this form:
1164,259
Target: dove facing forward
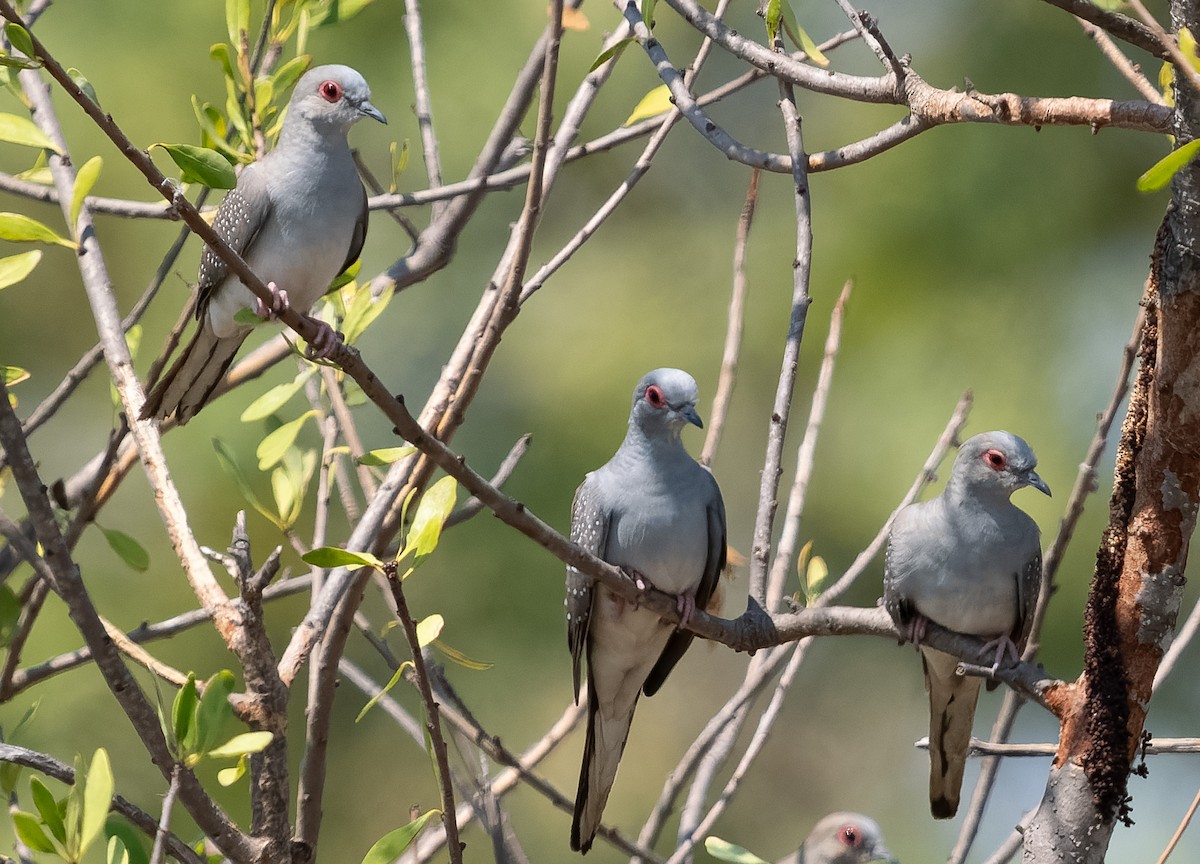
972,562
653,510
298,216
842,838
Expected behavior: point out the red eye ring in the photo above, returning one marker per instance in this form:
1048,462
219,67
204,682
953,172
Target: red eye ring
331,91
995,459
850,836
654,395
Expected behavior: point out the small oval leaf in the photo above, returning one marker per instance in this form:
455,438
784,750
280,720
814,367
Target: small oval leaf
21,229
31,832
391,846
426,530
129,550
429,629
84,181
275,398
723,850
200,165
15,268
327,557
97,799
241,745
1161,172
657,101
271,449
213,710
386,455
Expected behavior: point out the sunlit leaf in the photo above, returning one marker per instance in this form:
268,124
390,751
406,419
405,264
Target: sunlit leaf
30,832
117,828
1161,172
574,19
237,20
386,455
657,101
183,715
287,74
129,550
241,745
21,229
229,776
612,52
13,375
97,798
275,398
392,682
200,165
327,557
800,38
83,84
399,163
23,131
391,846
429,629
723,850
285,493
20,39
271,449
436,504
460,658
364,309
116,853
817,573
84,181
342,10
772,15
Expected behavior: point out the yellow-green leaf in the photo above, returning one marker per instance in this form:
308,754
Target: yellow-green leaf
84,181
116,853
129,550
12,62
657,101
1187,46
391,846
213,710
271,449
97,798
1161,172
817,573
229,776
241,745
392,682
723,850
275,398
183,715
290,72
31,832
460,658
285,493
771,16
237,20
429,629
229,464
83,84
13,375
20,38
327,557
386,455
612,53
200,165
800,38
47,807
14,268
426,530
19,228
23,131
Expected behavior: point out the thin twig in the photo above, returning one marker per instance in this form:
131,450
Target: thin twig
164,823
1120,62
1178,835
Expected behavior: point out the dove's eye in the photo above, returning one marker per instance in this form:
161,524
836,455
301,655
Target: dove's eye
995,460
330,91
850,836
655,397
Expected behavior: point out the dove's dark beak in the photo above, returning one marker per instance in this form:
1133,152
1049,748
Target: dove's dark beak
1037,482
367,109
688,413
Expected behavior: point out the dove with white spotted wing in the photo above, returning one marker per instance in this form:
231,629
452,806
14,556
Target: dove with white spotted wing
971,561
299,218
653,510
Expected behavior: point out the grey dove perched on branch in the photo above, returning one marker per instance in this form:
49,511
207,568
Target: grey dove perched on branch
971,561
842,838
653,510
298,216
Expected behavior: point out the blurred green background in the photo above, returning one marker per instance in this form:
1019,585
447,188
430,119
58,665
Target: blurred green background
1003,260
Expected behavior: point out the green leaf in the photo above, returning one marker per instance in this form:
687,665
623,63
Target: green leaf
21,229
200,165
723,850
391,845
83,84
342,10
229,464
31,832
23,131
800,38
116,852
47,807
429,629
275,398
129,550
657,101
386,455
772,15
327,557
214,135
460,658
816,574
392,682
183,716
10,614
213,710
97,799
13,375
220,52
286,495
20,39
241,745
289,73
436,504
271,449
612,53
84,181
648,12
117,827
364,309
229,776
237,20
1160,174
8,60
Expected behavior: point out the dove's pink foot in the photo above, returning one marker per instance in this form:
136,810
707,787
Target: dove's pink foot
1003,646
685,604
279,302
322,345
